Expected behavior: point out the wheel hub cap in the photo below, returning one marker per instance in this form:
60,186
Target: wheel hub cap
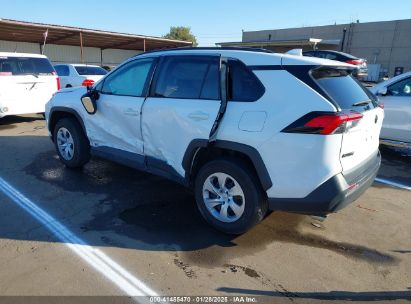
223,197
65,143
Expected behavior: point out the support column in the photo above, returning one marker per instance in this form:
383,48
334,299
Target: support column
81,48
144,45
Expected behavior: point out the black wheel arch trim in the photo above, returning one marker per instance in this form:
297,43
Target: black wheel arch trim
249,151
69,111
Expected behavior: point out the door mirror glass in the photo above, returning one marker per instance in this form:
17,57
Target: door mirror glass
382,91
89,104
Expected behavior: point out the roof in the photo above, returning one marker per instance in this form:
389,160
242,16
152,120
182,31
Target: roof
249,56
9,54
13,30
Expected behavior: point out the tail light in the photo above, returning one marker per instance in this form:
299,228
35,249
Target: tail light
355,61
88,83
381,104
58,84
324,123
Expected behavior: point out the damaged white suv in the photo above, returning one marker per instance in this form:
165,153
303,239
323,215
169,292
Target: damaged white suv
248,130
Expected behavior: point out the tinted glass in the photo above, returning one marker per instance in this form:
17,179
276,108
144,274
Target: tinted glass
193,77
309,54
401,88
344,89
62,70
242,84
128,80
25,66
90,70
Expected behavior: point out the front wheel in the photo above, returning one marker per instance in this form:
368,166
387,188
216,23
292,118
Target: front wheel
72,145
229,196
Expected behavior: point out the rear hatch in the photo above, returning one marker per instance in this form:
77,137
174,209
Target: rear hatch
360,140
26,83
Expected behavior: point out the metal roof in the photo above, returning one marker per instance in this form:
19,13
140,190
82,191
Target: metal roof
13,30
285,43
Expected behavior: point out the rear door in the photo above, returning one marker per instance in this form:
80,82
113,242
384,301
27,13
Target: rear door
26,84
361,138
182,106
397,122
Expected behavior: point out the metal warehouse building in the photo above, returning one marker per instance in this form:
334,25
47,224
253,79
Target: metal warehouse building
77,45
386,45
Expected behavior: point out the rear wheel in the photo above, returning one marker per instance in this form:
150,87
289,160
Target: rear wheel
72,145
229,196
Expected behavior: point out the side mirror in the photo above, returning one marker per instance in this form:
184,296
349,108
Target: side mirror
89,101
382,91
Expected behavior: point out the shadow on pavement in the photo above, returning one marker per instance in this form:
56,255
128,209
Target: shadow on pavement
331,296
130,209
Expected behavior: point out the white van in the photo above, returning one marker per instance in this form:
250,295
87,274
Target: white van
27,82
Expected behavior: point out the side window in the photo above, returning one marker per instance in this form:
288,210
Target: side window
401,88
309,54
242,84
62,70
188,77
330,56
128,80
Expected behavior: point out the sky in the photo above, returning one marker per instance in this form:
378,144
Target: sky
211,21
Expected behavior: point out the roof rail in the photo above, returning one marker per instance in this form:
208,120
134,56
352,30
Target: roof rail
245,49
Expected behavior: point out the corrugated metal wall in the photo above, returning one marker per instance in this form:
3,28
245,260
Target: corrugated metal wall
70,54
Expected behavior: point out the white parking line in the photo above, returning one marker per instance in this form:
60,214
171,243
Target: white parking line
392,183
127,282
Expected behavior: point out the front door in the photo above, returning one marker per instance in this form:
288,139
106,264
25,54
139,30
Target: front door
116,124
397,104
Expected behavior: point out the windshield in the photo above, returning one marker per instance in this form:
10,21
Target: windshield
90,70
344,89
14,66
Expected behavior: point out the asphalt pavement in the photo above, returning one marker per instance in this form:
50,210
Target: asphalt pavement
108,230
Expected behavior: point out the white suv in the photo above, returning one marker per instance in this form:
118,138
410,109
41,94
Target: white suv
247,130
27,82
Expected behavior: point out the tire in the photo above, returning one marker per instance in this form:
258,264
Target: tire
251,205
78,143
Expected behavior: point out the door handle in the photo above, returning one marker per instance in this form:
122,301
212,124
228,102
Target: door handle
198,115
131,112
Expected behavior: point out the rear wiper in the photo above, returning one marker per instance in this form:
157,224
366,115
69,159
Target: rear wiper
361,103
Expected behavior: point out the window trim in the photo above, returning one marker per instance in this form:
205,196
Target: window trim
160,65
118,69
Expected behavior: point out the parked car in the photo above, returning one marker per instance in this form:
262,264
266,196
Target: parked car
361,69
247,130
27,82
75,75
395,94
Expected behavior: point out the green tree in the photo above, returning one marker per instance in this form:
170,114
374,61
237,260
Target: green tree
181,33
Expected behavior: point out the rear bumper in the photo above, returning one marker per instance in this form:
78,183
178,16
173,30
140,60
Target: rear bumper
334,194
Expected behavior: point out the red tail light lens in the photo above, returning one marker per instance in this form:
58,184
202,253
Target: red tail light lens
58,84
324,123
88,83
355,62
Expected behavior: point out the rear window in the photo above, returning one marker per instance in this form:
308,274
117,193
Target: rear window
344,89
62,70
90,70
15,66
